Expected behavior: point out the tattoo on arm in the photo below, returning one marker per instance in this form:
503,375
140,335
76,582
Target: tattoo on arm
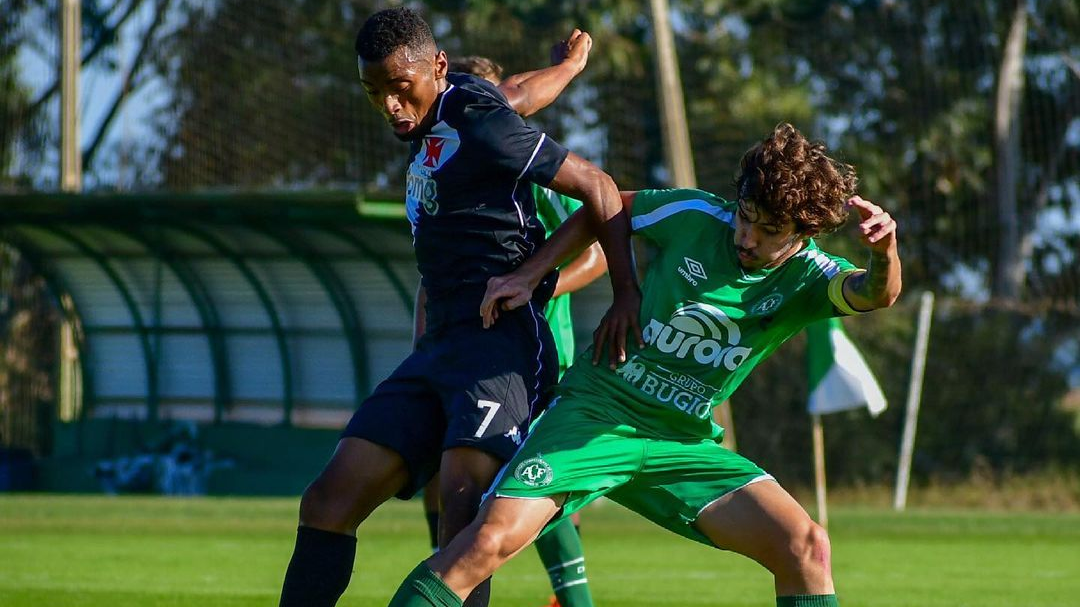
873,283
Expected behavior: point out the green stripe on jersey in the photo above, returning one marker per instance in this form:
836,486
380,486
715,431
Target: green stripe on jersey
706,321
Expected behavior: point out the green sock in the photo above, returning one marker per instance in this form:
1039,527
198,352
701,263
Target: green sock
560,550
808,600
424,589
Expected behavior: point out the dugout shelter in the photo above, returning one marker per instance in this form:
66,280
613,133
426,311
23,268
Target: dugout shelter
263,318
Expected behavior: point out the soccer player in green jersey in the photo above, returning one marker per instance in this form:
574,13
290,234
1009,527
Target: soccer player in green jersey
560,549
730,283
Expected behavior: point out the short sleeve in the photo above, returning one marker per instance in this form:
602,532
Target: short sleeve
825,292
553,208
512,145
664,215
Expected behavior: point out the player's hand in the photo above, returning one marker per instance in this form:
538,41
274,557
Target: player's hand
877,229
505,292
573,51
621,319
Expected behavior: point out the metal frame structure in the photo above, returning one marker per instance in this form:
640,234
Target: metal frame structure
157,224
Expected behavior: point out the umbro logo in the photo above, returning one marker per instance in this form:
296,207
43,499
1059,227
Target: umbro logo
692,271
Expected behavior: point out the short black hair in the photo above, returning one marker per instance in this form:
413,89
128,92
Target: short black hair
390,29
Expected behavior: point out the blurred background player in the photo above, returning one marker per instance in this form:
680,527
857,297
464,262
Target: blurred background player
560,548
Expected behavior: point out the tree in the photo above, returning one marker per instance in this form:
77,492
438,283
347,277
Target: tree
32,26
14,98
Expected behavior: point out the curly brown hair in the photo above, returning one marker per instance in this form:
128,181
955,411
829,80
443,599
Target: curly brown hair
790,177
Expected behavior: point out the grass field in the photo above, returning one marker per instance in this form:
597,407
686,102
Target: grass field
60,551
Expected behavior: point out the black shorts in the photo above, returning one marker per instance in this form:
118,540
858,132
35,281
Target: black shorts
464,386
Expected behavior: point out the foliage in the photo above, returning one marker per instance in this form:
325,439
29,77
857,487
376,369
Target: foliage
14,98
992,401
28,356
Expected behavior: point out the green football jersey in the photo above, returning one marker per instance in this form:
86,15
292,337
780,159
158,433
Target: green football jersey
706,322
553,209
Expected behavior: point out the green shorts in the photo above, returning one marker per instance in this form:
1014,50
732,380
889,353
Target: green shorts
576,449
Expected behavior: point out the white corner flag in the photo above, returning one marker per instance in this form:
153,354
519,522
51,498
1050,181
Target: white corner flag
838,374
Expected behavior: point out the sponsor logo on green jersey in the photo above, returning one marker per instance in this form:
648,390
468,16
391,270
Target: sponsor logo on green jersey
685,393
700,331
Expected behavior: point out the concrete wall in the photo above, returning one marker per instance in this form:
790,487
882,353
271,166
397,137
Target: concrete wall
262,460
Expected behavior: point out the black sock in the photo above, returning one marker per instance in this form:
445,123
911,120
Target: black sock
433,529
320,568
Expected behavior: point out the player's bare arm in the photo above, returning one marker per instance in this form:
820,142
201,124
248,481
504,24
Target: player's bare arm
583,180
880,285
585,268
530,92
580,178
567,242
514,290
577,232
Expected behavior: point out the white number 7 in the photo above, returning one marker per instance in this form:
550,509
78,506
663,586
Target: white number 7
492,408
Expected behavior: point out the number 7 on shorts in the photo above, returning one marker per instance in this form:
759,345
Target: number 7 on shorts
492,407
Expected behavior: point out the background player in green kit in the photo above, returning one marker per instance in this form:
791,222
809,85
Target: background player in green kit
731,282
560,549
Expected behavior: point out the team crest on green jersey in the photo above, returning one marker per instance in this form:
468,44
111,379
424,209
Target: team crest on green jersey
534,472
768,305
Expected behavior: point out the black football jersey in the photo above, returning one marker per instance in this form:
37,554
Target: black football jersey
468,195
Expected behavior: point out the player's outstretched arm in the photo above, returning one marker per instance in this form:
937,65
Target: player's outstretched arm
880,285
579,273
595,188
515,289
530,92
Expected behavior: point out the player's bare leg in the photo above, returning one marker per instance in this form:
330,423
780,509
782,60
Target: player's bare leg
559,552
360,476
504,527
464,475
763,522
431,510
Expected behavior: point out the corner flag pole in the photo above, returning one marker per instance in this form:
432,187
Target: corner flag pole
819,471
911,416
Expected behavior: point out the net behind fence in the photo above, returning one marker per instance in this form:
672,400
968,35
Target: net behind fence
182,95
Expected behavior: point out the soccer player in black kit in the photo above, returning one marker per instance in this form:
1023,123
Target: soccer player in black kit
461,403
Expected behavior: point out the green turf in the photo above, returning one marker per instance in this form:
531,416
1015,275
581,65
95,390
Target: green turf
58,551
